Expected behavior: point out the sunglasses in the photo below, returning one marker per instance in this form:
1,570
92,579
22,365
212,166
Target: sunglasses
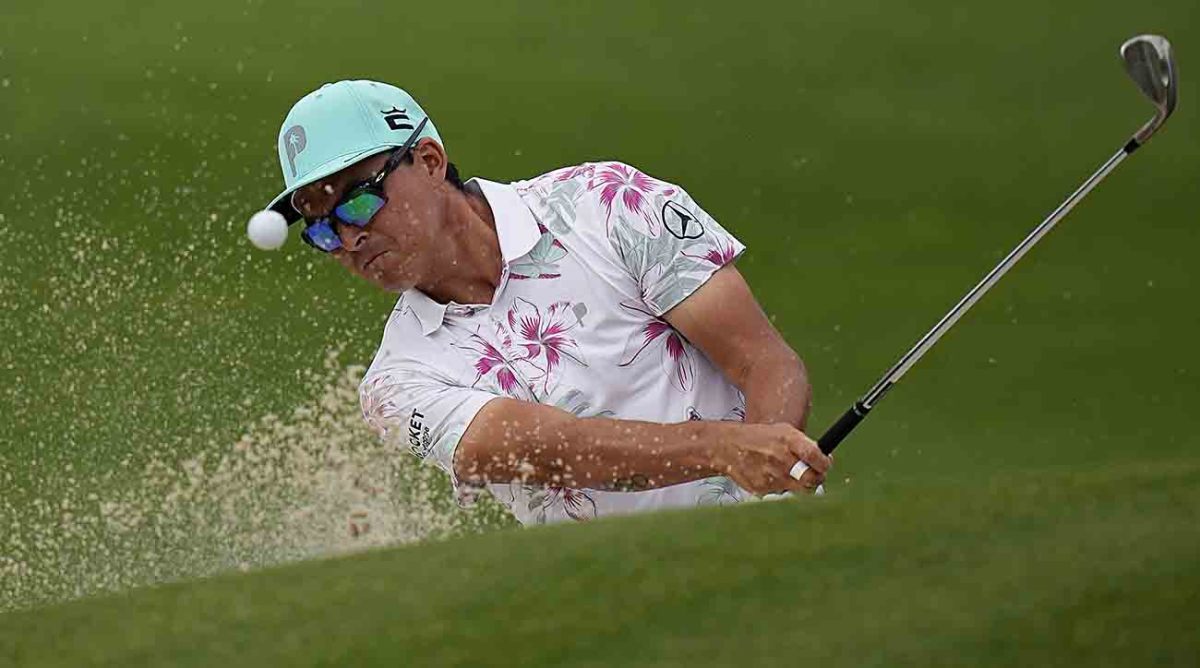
358,206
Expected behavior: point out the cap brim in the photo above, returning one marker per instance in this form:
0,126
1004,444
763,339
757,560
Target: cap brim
283,201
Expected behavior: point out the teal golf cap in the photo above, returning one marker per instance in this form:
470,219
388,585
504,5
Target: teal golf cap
339,124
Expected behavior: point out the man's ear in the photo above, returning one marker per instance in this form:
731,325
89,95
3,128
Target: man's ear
431,158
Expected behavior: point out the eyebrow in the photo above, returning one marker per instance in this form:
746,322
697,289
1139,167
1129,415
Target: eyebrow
352,182
333,181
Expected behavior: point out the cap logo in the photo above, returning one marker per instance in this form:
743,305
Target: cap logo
397,119
294,141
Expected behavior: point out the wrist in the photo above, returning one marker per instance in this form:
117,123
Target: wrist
713,446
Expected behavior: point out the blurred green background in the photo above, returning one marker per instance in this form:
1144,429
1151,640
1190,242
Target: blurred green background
876,158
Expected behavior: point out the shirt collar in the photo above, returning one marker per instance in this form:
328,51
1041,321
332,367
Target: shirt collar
429,313
517,231
515,224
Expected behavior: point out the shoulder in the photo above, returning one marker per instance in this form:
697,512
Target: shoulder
590,175
599,190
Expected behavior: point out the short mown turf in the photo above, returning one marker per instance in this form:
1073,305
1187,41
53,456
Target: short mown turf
1096,568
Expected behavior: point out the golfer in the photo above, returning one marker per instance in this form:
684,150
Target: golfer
578,344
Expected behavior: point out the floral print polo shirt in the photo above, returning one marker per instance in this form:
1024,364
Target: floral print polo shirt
593,256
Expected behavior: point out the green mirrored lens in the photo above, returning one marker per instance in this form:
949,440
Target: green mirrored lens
359,209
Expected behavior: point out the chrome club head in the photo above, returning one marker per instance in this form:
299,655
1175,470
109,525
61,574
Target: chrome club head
1151,65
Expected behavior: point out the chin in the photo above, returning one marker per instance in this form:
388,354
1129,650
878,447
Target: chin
387,274
388,283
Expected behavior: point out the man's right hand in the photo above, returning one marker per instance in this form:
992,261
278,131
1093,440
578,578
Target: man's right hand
764,455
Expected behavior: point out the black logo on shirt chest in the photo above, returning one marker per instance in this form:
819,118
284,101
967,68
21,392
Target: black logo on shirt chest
680,222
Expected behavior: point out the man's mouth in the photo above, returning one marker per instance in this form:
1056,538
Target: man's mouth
376,257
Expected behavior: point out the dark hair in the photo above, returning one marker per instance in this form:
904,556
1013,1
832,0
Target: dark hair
451,171
452,176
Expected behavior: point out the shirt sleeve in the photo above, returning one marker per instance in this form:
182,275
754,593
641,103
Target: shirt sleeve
413,408
664,238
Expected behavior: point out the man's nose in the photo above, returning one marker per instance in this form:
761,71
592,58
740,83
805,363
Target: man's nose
353,237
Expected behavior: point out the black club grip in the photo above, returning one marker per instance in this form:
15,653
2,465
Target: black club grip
842,428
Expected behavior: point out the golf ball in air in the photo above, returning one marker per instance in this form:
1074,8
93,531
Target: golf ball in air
267,230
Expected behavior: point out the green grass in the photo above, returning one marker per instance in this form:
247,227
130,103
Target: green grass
877,158
1053,568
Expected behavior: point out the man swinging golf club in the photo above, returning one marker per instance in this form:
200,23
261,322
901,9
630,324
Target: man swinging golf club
579,344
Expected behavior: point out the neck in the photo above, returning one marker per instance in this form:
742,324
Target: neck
472,256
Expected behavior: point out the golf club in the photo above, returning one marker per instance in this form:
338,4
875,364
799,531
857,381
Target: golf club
1150,64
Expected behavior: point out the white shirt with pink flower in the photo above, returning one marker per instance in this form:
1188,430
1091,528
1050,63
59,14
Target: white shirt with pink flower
593,255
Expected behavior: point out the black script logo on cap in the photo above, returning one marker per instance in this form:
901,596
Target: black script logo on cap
680,222
397,119
294,141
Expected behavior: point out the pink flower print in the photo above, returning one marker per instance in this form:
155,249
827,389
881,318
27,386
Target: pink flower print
499,358
544,336
568,173
675,355
719,256
579,506
621,183
378,406
575,503
493,359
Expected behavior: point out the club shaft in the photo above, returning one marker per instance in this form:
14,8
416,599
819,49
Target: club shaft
830,440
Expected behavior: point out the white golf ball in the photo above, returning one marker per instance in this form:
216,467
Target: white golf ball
267,230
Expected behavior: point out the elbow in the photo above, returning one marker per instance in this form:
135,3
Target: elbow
801,374
778,390
795,380
783,370
464,463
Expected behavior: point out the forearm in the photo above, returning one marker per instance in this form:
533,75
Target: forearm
777,390
538,445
